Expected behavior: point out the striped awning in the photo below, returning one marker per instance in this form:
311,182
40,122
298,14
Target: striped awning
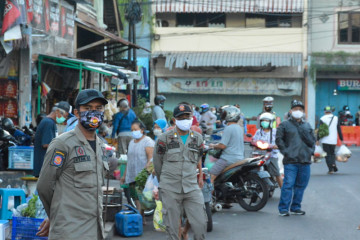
234,6
229,59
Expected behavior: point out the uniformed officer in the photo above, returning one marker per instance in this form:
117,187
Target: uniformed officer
176,156
73,173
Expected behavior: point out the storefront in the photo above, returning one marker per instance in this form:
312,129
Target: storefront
230,78
337,92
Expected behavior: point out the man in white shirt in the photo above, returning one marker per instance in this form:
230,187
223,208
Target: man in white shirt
329,142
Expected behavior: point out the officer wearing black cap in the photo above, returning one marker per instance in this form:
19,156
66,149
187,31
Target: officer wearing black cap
46,131
73,173
176,156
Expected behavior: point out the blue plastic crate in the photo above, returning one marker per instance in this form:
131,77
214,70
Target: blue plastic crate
25,228
21,158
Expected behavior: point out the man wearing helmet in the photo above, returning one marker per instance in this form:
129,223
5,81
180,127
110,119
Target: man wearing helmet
231,143
296,141
268,134
268,104
158,110
207,119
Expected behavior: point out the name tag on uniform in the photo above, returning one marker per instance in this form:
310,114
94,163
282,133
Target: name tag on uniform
82,159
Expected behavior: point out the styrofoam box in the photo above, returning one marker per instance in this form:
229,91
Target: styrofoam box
4,230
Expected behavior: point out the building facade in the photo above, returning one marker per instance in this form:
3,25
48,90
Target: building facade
334,51
230,52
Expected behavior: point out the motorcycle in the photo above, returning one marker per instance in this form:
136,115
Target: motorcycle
6,141
207,193
263,148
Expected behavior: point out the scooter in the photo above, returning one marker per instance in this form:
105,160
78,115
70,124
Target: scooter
263,148
240,183
207,193
6,141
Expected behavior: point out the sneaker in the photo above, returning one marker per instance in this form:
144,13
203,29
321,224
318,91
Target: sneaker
330,172
297,212
284,214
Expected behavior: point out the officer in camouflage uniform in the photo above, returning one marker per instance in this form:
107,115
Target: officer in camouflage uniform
73,173
176,157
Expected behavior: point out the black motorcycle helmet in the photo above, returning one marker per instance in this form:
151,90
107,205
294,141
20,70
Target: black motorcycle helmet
8,125
160,100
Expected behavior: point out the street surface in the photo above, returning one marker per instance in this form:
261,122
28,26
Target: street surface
331,203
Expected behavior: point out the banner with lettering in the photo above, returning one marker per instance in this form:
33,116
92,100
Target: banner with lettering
231,86
345,85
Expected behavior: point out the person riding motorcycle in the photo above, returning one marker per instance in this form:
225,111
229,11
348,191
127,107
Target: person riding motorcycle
268,134
207,119
231,143
21,138
268,104
345,117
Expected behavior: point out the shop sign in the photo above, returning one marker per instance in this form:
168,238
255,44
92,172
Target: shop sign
54,17
229,86
345,85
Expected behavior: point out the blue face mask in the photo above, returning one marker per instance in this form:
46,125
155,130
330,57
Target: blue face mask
60,120
265,124
137,134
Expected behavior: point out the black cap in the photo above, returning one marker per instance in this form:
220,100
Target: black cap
63,105
87,95
297,103
182,109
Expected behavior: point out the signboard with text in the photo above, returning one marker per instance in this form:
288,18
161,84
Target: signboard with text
345,85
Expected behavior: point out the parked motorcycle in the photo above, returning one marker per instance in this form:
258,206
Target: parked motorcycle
6,141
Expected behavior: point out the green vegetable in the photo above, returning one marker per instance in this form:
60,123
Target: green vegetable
323,130
141,178
30,211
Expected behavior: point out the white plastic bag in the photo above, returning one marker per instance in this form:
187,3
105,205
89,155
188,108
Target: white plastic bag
150,185
319,154
343,154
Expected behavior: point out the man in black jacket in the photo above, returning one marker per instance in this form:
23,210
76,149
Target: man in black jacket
296,141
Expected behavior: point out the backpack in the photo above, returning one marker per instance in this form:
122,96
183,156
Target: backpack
324,129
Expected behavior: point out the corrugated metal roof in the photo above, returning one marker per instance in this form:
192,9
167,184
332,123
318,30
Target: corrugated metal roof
229,59
245,6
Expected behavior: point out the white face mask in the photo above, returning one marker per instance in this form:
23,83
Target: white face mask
137,134
157,132
297,114
184,125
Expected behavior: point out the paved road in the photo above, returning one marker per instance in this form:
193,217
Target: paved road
331,203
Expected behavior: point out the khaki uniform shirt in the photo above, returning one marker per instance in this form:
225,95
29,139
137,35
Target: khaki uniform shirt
70,187
175,163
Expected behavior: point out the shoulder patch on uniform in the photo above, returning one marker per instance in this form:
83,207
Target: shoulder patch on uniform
161,147
58,158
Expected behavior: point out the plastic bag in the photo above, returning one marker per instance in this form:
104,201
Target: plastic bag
343,154
150,185
319,153
158,218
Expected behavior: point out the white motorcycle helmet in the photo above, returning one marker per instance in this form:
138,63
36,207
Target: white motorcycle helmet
230,114
267,117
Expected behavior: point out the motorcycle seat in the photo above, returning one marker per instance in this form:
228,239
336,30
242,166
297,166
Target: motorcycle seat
239,163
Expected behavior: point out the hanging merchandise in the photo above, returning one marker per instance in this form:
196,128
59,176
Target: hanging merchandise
9,89
45,89
12,15
10,109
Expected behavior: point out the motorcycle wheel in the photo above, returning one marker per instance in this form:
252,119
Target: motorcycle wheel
257,193
209,217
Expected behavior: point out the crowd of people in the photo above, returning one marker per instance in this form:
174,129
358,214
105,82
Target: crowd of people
72,167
